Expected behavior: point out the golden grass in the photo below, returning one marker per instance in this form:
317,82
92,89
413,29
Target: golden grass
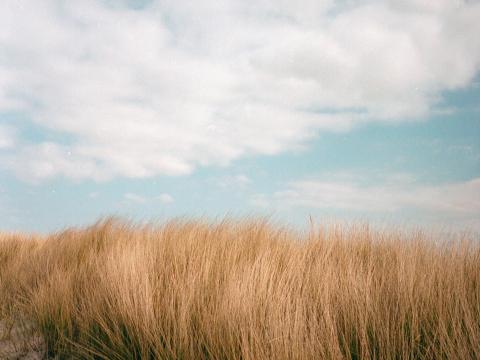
243,290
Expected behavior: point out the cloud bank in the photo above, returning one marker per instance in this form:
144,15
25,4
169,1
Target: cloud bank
459,198
170,86
394,196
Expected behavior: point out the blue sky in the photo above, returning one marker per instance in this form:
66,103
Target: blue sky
342,110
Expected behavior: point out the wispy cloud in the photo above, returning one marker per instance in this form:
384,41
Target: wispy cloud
463,197
260,201
93,195
234,181
7,137
134,198
165,198
140,96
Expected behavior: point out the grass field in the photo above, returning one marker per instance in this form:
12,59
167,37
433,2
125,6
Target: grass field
241,290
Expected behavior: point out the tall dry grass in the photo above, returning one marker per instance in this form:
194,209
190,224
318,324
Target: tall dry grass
243,290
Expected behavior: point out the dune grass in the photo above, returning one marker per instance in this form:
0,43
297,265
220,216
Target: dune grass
243,290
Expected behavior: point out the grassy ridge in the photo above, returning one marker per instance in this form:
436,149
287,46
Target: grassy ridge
243,290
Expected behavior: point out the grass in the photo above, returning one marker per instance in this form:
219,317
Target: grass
243,290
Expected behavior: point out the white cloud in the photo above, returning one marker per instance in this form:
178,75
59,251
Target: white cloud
234,181
7,137
134,198
179,85
48,159
165,198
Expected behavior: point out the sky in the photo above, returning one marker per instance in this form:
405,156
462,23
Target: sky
342,110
